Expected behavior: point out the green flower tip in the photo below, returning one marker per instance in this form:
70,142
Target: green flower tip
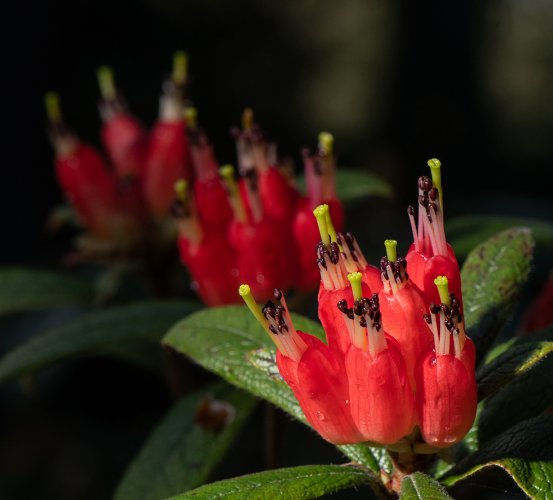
326,143
247,119
321,214
391,250
244,290
180,67
227,172
434,163
191,117
106,82
180,188
356,286
53,107
442,284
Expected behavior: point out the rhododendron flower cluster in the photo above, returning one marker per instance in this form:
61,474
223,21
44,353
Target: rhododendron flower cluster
397,355
167,183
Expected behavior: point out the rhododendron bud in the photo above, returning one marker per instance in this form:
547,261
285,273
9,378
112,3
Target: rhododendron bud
83,177
206,254
168,155
337,255
315,374
320,176
262,260
430,255
277,194
403,306
123,136
209,191
381,399
446,389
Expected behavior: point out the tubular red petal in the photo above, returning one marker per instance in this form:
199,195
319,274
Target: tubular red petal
319,383
381,399
446,398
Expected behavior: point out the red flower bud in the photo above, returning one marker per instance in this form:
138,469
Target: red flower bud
123,137
403,307
431,255
446,389
312,370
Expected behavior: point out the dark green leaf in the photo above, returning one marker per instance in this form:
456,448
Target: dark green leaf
299,483
526,396
419,486
227,340
30,289
465,233
492,276
183,449
514,362
525,451
96,332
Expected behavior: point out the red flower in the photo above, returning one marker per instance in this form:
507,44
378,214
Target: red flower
206,254
168,155
430,255
123,137
85,179
403,306
320,175
312,370
446,389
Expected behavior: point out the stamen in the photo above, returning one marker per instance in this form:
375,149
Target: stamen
181,187
53,107
227,174
441,283
320,214
191,117
391,250
180,68
247,119
276,321
435,169
326,143
184,210
106,83
356,287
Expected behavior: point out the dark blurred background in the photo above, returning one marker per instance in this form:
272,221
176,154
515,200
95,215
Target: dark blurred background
397,82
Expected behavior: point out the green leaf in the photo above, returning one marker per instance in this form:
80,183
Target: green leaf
465,233
516,361
24,289
181,452
96,332
492,277
524,451
227,341
419,486
299,483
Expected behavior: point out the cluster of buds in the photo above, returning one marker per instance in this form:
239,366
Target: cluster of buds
397,355
233,225
250,221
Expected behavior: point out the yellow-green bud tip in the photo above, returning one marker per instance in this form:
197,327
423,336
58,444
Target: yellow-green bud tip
244,290
442,283
53,108
180,67
356,286
180,189
106,82
326,143
391,250
226,171
247,119
191,117
434,163
321,211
